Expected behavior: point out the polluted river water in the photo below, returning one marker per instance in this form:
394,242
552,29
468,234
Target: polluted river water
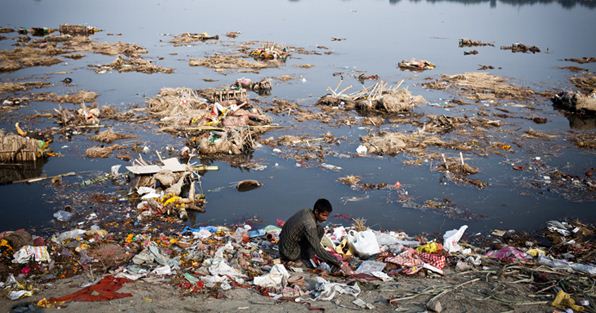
353,38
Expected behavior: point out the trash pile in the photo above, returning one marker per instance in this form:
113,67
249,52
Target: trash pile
393,143
582,60
20,148
308,151
188,38
270,52
481,86
473,43
72,40
134,64
379,98
575,102
520,47
262,87
84,116
109,136
79,97
211,260
585,83
169,188
6,87
458,170
220,121
80,30
102,151
221,63
416,65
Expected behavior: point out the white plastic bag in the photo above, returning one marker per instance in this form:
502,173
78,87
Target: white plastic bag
452,237
277,278
364,243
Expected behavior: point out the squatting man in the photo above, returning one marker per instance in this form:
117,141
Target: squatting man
300,238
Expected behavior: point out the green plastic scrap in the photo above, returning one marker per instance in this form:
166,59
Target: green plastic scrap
191,279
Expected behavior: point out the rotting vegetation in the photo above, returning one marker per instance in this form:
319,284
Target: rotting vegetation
188,38
11,87
221,63
109,136
582,60
81,96
585,83
73,40
520,47
473,43
481,86
379,98
136,64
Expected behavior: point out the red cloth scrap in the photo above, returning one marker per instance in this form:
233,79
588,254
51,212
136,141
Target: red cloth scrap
104,290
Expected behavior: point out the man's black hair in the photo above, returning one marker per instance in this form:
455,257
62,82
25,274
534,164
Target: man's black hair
322,205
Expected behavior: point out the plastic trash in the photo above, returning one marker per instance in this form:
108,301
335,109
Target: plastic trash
63,216
362,150
535,252
563,300
508,254
559,227
162,270
331,167
563,264
272,229
71,234
277,278
26,253
368,267
19,294
363,305
256,233
364,243
382,276
321,289
452,237
114,170
430,247
188,229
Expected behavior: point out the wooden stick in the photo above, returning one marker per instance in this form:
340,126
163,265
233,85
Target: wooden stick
445,162
452,289
37,179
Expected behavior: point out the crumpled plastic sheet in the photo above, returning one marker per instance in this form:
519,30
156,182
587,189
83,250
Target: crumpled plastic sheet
564,300
277,278
71,234
26,253
18,294
367,267
219,267
326,291
393,238
564,264
381,275
153,254
508,254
